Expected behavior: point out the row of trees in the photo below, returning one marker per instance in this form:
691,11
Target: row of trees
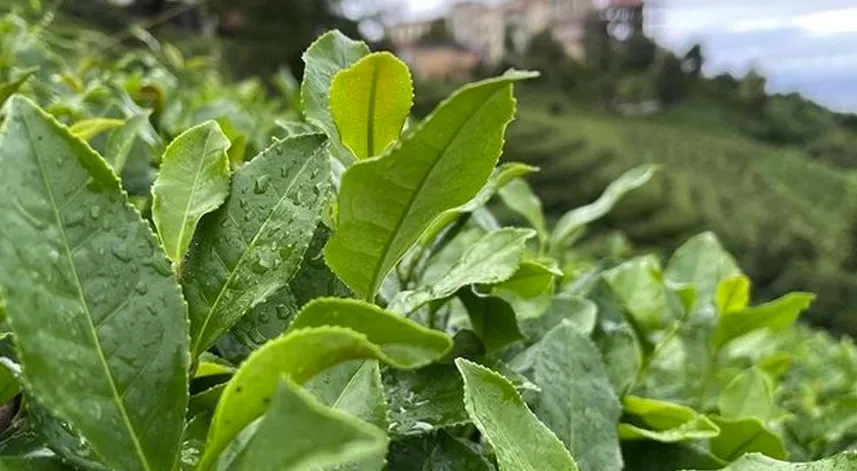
258,36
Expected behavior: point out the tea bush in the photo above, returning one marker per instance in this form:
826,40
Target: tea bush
317,283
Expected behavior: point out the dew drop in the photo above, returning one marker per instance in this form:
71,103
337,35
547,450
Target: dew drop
120,251
141,288
95,211
161,265
262,184
74,219
282,312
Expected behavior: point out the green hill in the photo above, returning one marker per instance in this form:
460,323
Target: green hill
786,216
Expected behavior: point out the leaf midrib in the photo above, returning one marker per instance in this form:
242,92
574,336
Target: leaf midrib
385,251
739,450
244,253
102,359
370,120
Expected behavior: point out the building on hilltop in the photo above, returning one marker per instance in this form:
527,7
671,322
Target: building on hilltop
494,31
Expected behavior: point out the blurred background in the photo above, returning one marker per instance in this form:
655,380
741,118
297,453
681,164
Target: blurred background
747,106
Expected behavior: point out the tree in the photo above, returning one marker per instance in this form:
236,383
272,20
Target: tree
637,53
276,32
752,91
439,33
597,42
693,61
669,80
548,56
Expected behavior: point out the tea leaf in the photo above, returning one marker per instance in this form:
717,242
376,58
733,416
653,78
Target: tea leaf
733,294
406,342
314,280
746,435
577,401
319,436
353,387
623,357
10,88
442,452
748,395
576,219
89,128
520,440
121,141
663,422
253,245
580,312
757,462
301,354
491,259
529,291
98,317
370,101
637,285
519,197
703,263
774,315
424,400
502,175
492,318
327,56
386,202
194,181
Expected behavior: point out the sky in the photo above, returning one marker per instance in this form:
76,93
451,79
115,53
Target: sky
809,46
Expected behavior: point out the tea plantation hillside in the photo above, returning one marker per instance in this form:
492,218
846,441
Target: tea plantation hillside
787,218
199,274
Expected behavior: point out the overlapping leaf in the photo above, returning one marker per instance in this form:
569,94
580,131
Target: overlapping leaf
253,245
328,55
774,315
519,197
747,435
520,441
193,181
757,462
663,422
491,259
309,350
501,176
97,313
297,432
370,101
386,202
577,400
576,219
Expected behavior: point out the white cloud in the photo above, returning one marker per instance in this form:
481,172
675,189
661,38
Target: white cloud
829,22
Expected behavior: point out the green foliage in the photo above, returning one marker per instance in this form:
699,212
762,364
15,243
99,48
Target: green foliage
411,176
82,271
670,82
324,59
572,373
193,181
476,345
253,245
368,118
519,439
327,437
752,91
712,176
